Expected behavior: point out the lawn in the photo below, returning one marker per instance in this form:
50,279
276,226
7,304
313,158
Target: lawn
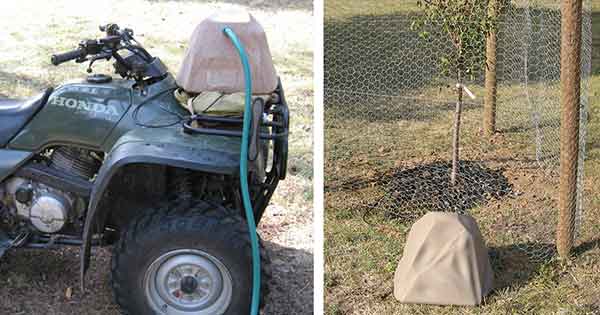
387,158
35,282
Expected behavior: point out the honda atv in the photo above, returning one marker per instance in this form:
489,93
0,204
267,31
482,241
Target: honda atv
123,162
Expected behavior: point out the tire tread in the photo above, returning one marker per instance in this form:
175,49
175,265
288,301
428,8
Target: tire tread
155,218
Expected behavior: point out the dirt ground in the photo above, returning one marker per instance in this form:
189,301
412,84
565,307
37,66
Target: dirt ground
47,282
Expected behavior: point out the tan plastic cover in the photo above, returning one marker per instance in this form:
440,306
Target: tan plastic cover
445,262
212,63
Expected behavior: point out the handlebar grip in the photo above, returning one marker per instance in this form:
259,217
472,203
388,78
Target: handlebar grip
70,55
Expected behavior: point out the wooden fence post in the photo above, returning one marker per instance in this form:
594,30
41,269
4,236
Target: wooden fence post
491,89
571,32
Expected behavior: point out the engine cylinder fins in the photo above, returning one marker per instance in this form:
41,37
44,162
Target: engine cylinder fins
79,162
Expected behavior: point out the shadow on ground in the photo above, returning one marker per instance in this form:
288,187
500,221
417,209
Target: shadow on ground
37,281
514,265
292,284
586,247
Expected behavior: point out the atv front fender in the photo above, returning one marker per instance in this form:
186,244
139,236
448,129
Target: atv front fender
163,146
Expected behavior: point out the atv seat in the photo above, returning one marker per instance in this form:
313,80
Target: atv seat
15,113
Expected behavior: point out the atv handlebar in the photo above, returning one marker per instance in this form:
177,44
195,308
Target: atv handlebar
68,56
135,64
87,48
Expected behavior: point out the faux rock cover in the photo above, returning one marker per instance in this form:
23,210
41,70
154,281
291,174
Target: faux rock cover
445,262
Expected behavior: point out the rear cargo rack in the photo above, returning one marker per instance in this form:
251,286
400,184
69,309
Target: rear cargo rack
275,129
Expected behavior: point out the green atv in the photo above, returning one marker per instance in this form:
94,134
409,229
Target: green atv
119,161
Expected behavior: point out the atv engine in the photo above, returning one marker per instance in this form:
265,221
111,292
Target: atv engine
79,162
50,209
46,208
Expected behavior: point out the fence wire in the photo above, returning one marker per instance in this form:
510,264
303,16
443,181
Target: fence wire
389,116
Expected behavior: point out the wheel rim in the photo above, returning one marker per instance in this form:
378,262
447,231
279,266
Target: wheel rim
188,281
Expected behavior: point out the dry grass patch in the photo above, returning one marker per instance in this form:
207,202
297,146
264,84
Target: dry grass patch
35,282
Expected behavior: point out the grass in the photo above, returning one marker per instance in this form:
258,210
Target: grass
25,66
32,32
390,139
340,9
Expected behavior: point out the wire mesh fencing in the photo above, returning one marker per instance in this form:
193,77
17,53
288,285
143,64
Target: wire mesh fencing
390,114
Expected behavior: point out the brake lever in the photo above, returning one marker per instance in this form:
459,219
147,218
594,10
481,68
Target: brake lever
104,55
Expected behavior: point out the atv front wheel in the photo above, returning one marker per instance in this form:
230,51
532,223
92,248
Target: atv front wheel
185,259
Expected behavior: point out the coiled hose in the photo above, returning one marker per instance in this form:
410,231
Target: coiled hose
244,171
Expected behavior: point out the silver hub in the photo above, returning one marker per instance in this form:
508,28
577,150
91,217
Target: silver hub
188,281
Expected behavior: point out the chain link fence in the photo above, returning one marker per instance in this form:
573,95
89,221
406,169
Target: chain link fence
389,116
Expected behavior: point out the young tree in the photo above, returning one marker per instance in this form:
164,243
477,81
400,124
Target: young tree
466,23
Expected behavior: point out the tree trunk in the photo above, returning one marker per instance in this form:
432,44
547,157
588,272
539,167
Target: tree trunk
569,124
491,88
456,136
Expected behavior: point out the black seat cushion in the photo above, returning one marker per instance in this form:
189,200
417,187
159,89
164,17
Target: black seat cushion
14,114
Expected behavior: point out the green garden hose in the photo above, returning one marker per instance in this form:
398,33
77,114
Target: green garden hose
244,172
